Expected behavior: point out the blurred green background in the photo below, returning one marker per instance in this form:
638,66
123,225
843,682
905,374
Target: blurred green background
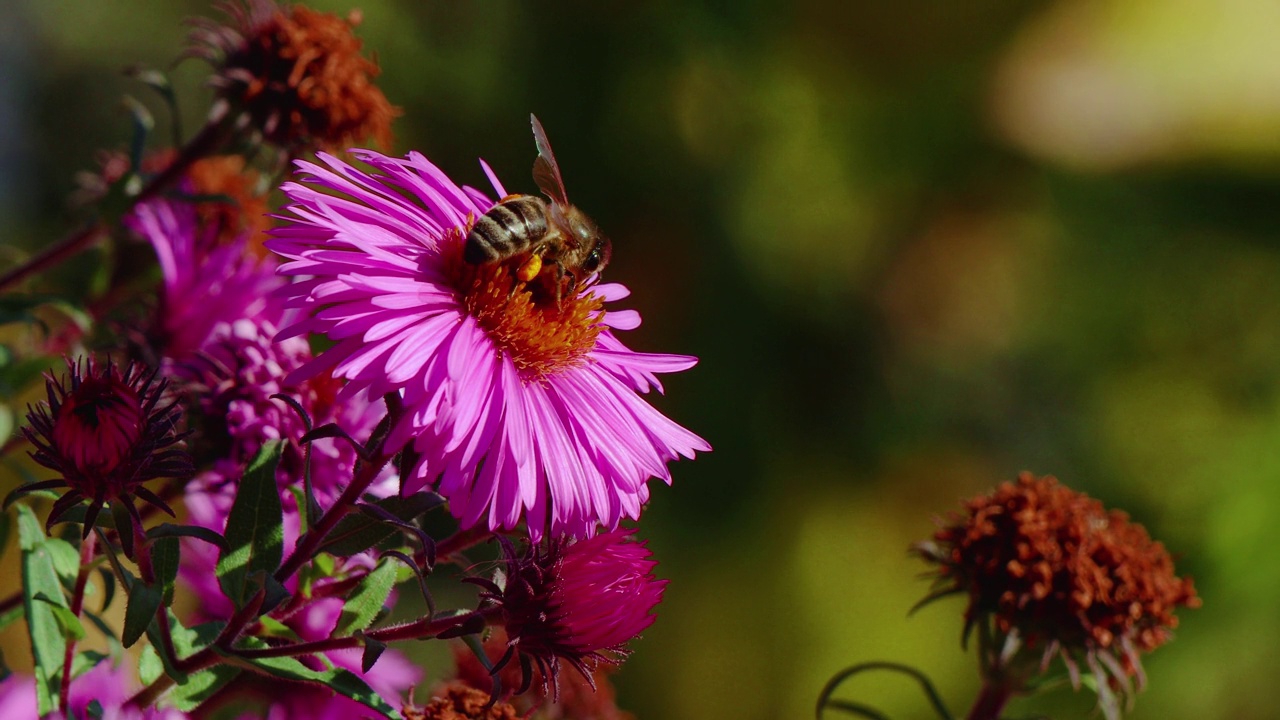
918,246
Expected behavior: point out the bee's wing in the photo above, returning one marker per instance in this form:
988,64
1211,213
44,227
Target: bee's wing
546,173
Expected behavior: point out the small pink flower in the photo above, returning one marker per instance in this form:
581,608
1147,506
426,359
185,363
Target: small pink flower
518,410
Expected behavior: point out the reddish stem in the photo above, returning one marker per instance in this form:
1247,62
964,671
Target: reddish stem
991,700
416,630
460,541
87,550
201,145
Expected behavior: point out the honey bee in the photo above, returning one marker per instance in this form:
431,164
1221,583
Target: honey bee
553,239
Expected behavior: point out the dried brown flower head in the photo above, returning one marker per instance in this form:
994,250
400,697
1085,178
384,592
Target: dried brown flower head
1049,572
232,200
295,75
460,702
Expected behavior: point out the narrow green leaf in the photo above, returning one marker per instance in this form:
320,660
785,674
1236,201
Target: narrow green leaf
66,558
364,604
7,618
164,561
150,667
85,661
167,530
186,641
342,681
255,527
40,578
108,587
359,532
68,623
144,601
373,650
200,687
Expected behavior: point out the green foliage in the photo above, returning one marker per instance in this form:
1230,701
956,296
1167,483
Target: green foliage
42,598
360,531
341,681
255,528
144,602
365,603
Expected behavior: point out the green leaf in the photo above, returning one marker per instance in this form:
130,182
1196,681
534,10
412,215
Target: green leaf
164,562
359,532
255,527
364,604
39,578
108,587
167,530
150,667
67,621
86,661
7,618
186,642
66,559
200,687
144,601
342,681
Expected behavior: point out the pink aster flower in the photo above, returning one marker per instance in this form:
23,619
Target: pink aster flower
205,283
580,602
518,409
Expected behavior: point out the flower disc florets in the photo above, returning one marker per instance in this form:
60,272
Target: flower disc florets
580,602
297,75
105,432
1055,573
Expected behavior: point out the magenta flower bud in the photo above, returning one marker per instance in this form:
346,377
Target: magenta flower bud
580,602
105,432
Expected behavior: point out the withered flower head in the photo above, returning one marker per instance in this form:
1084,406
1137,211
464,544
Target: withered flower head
1049,572
456,701
105,432
233,201
294,74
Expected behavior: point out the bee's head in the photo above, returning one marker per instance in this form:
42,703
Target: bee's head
599,255
588,235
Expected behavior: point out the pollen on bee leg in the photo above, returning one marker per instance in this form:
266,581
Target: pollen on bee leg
530,268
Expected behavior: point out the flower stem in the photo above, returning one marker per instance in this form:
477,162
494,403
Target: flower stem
991,700
309,544
201,145
87,551
460,541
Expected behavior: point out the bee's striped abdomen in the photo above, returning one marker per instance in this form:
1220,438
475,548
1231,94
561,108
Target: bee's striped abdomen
509,228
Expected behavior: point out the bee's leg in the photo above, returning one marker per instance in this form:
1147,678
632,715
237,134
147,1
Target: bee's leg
563,276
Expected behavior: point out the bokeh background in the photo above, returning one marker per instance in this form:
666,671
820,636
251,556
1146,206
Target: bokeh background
919,246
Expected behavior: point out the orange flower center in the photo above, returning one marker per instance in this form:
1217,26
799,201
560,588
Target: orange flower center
540,335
